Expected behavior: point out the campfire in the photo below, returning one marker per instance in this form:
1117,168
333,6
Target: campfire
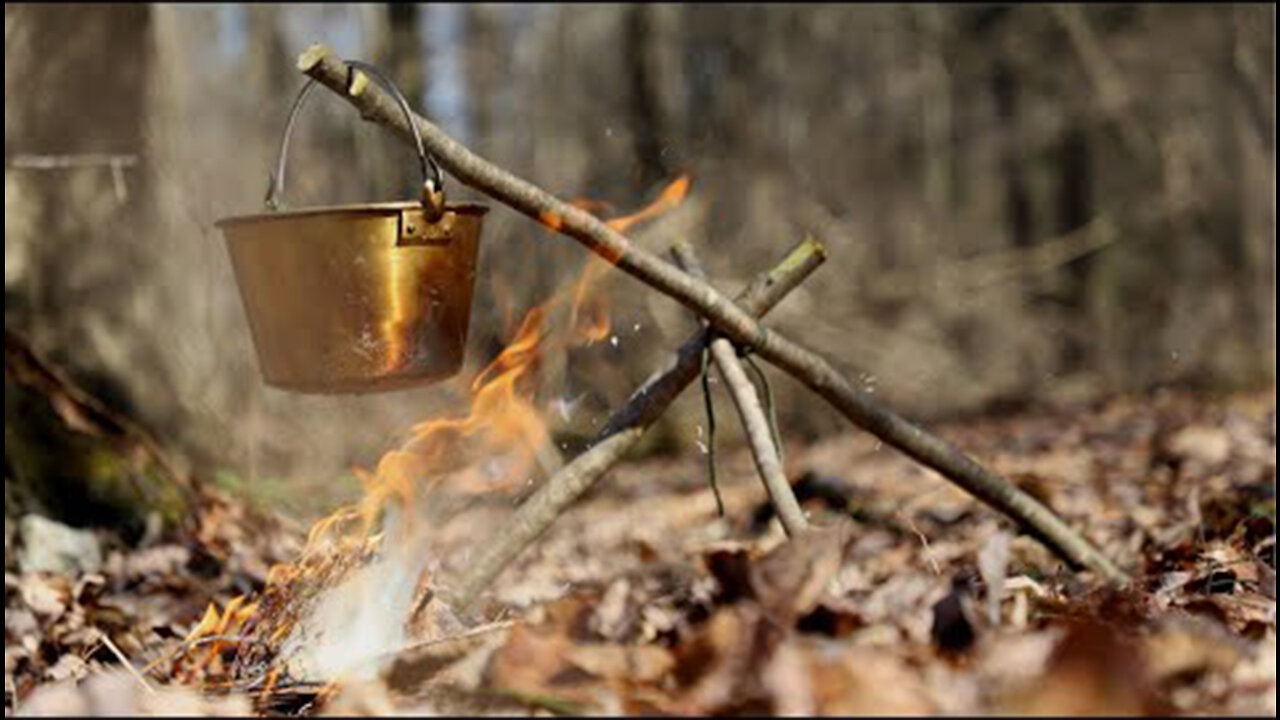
382,593
364,586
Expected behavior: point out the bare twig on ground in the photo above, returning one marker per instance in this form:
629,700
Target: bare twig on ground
754,421
106,640
462,637
624,428
924,543
416,663
815,371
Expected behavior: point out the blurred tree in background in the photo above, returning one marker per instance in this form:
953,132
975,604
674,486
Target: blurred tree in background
1024,203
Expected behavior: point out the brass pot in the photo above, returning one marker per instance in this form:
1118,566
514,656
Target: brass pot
357,298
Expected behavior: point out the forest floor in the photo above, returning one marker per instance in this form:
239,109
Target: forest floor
642,600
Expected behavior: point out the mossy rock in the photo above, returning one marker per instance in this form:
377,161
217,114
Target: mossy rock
71,460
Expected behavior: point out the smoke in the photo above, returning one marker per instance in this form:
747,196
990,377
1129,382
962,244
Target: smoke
354,627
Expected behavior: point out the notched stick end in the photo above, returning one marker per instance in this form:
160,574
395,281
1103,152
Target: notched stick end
313,56
814,245
359,81
809,251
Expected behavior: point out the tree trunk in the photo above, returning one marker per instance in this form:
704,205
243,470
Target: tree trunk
648,123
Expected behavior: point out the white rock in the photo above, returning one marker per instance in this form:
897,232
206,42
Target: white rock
52,547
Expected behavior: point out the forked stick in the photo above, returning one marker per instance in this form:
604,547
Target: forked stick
754,421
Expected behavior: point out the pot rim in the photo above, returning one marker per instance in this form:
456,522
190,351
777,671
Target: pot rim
348,210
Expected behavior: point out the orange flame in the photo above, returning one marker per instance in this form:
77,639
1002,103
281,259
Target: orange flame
214,630
671,196
503,419
590,313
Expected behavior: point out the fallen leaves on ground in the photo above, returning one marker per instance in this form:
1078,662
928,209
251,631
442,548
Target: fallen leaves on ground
910,598
63,629
119,694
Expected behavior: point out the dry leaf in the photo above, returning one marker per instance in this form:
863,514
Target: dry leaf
68,667
1183,648
433,618
1255,682
645,664
791,579
60,700
418,665
788,677
1210,446
863,683
1018,660
807,676
534,663
1092,672
20,624
720,665
361,699
156,562
13,655
47,597
611,614
834,618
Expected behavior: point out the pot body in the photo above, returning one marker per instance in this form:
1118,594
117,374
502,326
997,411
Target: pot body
356,299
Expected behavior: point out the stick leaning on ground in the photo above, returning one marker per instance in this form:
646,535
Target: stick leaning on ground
624,428
811,369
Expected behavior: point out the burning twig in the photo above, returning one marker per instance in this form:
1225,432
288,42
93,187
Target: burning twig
735,322
624,429
186,646
754,420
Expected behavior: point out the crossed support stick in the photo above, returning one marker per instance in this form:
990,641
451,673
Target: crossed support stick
733,321
765,447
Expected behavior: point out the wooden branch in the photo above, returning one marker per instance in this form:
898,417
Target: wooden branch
116,163
815,371
754,421
623,430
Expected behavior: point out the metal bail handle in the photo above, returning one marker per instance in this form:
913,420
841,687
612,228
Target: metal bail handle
432,179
